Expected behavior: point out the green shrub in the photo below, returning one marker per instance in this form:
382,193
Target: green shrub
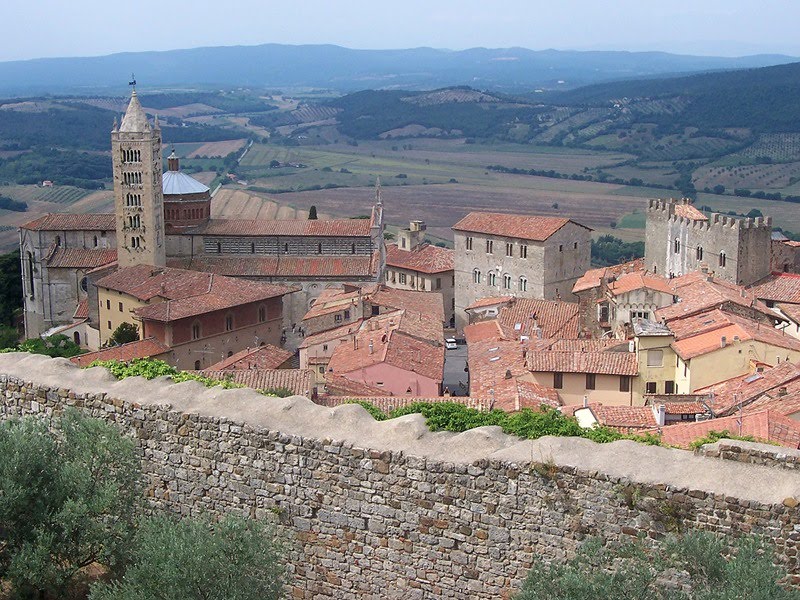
714,436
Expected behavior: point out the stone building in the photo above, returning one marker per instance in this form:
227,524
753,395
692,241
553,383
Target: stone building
679,239
414,264
165,219
517,255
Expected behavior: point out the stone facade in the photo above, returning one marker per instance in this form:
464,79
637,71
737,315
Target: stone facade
495,265
734,249
390,510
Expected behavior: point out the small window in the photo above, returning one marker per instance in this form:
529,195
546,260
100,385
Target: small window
219,247
509,249
669,387
561,247
476,276
252,247
523,284
319,248
196,331
489,246
262,314
352,248
402,278
321,370
286,248
655,358
197,365
228,322
558,380
84,284
108,304
506,281
523,251
722,259
337,318
109,324
677,246
651,387
699,253
575,246
469,243
438,283
492,279
120,307
624,383
230,353
347,314
324,347
590,381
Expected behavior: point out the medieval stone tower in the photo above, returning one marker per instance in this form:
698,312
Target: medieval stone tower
680,238
138,195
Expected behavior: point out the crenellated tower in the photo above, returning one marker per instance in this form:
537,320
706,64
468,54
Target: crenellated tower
138,195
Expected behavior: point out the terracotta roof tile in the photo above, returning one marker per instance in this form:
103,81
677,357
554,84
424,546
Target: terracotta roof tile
339,385
784,401
125,352
622,418
792,311
489,301
185,293
554,318
80,258
527,227
426,303
297,380
344,332
593,277
764,425
262,357
291,227
425,259
73,222
404,339
779,287
639,280
334,299
82,310
688,211
728,395
606,363
484,330
697,294
282,266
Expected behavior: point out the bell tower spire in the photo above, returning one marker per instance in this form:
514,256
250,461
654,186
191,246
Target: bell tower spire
138,196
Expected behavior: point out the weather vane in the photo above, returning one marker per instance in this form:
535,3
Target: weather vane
133,81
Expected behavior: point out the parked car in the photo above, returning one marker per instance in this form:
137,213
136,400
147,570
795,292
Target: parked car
450,343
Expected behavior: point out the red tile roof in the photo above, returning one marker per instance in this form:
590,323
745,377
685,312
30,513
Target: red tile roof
427,303
593,277
727,396
605,363
125,352
637,281
297,380
424,259
80,258
764,425
554,318
527,227
82,310
334,299
485,330
186,293
792,311
282,266
779,287
515,394
288,227
406,340
73,222
338,385
703,333
688,211
622,418
489,301
697,292
262,357
339,333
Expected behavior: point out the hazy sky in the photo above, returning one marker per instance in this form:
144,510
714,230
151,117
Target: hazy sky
38,28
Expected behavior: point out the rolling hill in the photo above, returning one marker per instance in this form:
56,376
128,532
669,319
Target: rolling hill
335,67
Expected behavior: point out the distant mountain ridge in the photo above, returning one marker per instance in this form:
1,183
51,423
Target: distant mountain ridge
335,67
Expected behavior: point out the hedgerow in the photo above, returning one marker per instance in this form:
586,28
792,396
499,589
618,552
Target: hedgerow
527,424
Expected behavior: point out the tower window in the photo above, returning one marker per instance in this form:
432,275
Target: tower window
489,246
509,249
476,276
722,259
523,251
492,279
699,253
523,284
677,246
469,243
506,281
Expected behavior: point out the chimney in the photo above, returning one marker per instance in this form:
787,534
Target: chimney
660,414
585,401
782,391
371,347
723,341
508,373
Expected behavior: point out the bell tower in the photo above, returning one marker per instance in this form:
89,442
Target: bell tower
138,195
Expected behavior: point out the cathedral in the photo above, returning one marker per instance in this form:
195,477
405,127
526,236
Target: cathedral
164,219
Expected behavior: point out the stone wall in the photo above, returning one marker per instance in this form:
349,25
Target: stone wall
391,510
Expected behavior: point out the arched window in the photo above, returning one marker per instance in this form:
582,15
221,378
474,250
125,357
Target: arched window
319,248
722,259
506,281
492,279
196,330
699,253
677,246
523,284
30,275
77,338
219,247
352,248
228,322
230,353
252,247
197,365
262,314
58,241
476,276
95,241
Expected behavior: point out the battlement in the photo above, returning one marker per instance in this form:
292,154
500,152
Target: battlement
669,209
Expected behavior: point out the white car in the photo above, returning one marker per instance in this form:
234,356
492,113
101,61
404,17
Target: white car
450,344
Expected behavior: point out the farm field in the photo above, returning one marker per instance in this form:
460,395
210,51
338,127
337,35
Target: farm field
240,204
771,177
222,148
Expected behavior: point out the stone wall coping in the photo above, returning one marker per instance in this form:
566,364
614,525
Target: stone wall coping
351,424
